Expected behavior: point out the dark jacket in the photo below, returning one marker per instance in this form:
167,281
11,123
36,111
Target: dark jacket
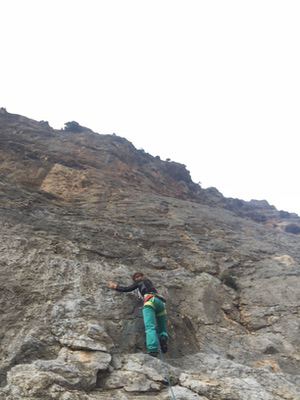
145,287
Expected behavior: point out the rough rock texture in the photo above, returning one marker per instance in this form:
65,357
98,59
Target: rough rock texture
77,209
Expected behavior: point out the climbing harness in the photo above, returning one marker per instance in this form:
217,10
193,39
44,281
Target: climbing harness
147,297
149,301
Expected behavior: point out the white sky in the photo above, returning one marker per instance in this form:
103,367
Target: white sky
212,84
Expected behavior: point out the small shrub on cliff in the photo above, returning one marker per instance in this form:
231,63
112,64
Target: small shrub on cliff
228,280
72,126
293,228
284,214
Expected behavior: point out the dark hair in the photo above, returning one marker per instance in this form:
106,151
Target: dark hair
136,275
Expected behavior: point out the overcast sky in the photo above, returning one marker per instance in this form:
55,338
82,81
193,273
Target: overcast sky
214,85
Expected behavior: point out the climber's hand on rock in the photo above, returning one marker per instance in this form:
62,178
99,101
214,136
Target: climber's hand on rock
112,285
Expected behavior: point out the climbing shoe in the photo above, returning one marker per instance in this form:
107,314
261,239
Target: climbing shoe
153,354
163,340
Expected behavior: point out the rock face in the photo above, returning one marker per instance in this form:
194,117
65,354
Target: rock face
78,209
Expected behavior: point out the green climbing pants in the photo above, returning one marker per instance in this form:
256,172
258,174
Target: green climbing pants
155,320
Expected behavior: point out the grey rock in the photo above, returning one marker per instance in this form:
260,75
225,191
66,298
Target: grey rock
80,334
182,393
78,209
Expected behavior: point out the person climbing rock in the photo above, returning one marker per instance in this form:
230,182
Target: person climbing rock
154,312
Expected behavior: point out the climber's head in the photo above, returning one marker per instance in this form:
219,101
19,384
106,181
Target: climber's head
138,276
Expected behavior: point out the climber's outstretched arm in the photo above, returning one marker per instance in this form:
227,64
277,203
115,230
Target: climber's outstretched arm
114,285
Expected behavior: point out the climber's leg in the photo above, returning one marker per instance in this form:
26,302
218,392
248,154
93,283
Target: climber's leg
150,329
161,318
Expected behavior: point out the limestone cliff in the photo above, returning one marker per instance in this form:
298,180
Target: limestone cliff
78,209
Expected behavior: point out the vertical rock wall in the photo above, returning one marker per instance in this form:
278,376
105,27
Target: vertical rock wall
79,209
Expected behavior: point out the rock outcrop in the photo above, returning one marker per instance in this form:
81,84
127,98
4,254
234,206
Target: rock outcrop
78,209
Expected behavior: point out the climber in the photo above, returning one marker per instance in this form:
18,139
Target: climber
154,312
